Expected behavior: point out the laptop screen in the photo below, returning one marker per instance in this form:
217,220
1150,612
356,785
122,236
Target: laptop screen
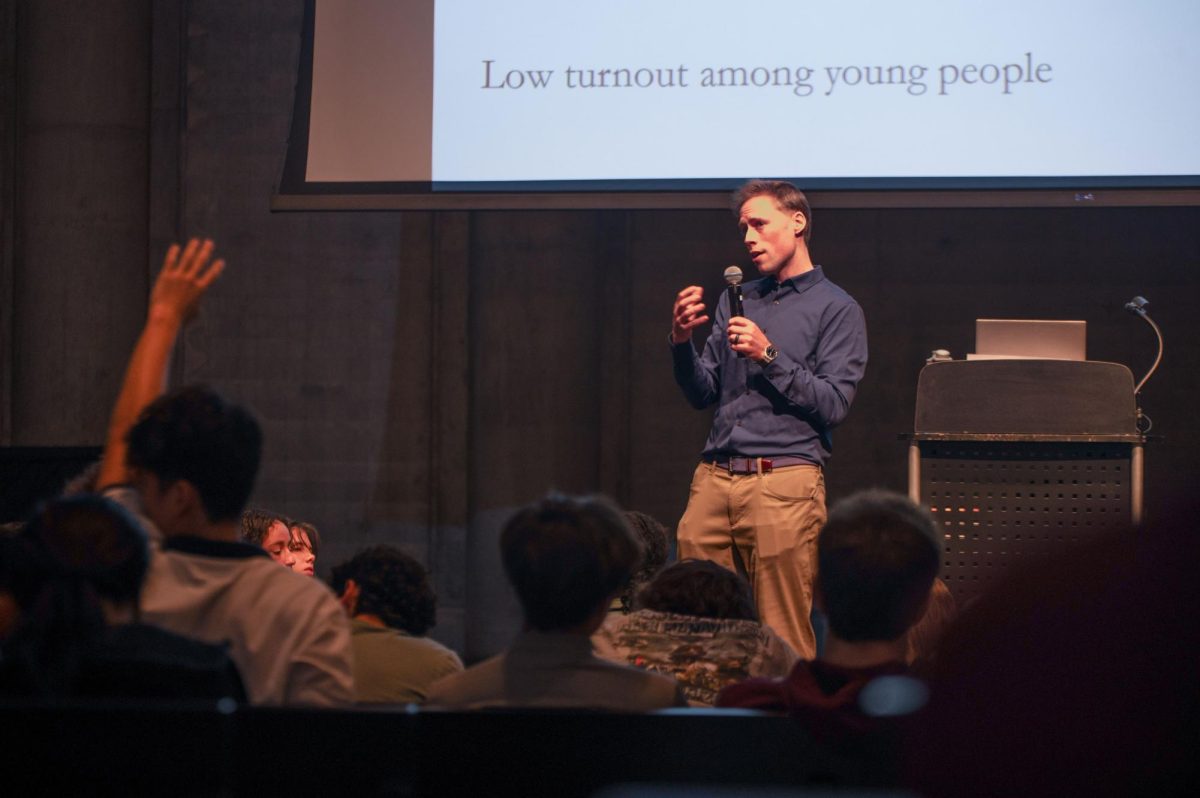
1030,338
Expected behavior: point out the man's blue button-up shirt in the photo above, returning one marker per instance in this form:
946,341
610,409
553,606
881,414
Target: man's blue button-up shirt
789,406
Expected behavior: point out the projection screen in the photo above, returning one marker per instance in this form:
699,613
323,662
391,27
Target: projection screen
468,97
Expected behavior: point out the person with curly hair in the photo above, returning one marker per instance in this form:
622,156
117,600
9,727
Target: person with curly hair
269,531
391,605
655,552
696,622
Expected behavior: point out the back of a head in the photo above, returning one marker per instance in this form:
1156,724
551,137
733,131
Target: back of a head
565,556
392,586
877,557
309,531
655,545
257,523
195,435
91,539
700,588
74,555
789,199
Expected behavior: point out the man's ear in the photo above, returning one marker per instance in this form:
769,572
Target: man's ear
181,501
349,597
799,222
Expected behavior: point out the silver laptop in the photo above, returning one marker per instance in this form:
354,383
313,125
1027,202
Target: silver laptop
1029,338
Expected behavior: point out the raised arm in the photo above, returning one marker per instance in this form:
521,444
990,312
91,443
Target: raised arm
186,274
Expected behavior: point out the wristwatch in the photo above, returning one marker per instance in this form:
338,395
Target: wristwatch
769,354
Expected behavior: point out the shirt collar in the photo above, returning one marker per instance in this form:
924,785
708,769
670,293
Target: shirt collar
228,549
798,284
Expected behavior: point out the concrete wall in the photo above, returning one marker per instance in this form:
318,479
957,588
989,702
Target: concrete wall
419,375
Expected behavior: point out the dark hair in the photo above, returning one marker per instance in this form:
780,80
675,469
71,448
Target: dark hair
701,588
193,434
565,556
392,585
314,537
786,196
91,538
877,557
257,523
72,553
653,536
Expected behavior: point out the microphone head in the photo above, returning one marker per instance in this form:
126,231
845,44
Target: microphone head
1137,305
733,275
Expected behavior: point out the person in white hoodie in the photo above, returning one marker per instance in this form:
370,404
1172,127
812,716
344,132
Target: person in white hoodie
187,463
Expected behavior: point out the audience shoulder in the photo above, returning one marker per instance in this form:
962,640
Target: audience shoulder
322,673
473,688
647,691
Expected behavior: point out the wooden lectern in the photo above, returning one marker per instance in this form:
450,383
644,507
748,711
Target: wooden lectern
1017,458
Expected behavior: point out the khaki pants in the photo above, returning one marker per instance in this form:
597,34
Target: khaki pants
765,527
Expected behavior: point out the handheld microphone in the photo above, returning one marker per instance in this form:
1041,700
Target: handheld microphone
733,276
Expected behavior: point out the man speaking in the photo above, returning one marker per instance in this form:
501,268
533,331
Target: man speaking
782,374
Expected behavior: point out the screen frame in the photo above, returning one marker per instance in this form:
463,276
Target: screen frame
296,193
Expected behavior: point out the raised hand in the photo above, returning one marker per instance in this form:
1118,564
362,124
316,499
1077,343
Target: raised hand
184,278
688,313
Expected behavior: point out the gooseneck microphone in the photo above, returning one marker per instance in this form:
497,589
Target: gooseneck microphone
733,276
1138,306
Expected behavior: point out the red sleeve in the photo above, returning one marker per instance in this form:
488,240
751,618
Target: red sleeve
764,694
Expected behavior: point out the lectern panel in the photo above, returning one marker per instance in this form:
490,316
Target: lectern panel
996,503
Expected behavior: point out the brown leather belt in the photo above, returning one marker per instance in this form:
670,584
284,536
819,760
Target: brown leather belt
757,465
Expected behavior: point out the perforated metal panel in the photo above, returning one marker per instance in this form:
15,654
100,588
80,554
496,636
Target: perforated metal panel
996,503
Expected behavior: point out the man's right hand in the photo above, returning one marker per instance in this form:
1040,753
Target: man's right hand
688,314
184,278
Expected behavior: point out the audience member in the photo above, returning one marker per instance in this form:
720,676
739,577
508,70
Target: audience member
271,533
391,604
697,623
567,559
304,544
877,557
76,573
1076,674
655,545
192,459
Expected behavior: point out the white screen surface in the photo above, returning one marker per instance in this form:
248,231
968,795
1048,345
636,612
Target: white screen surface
544,90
